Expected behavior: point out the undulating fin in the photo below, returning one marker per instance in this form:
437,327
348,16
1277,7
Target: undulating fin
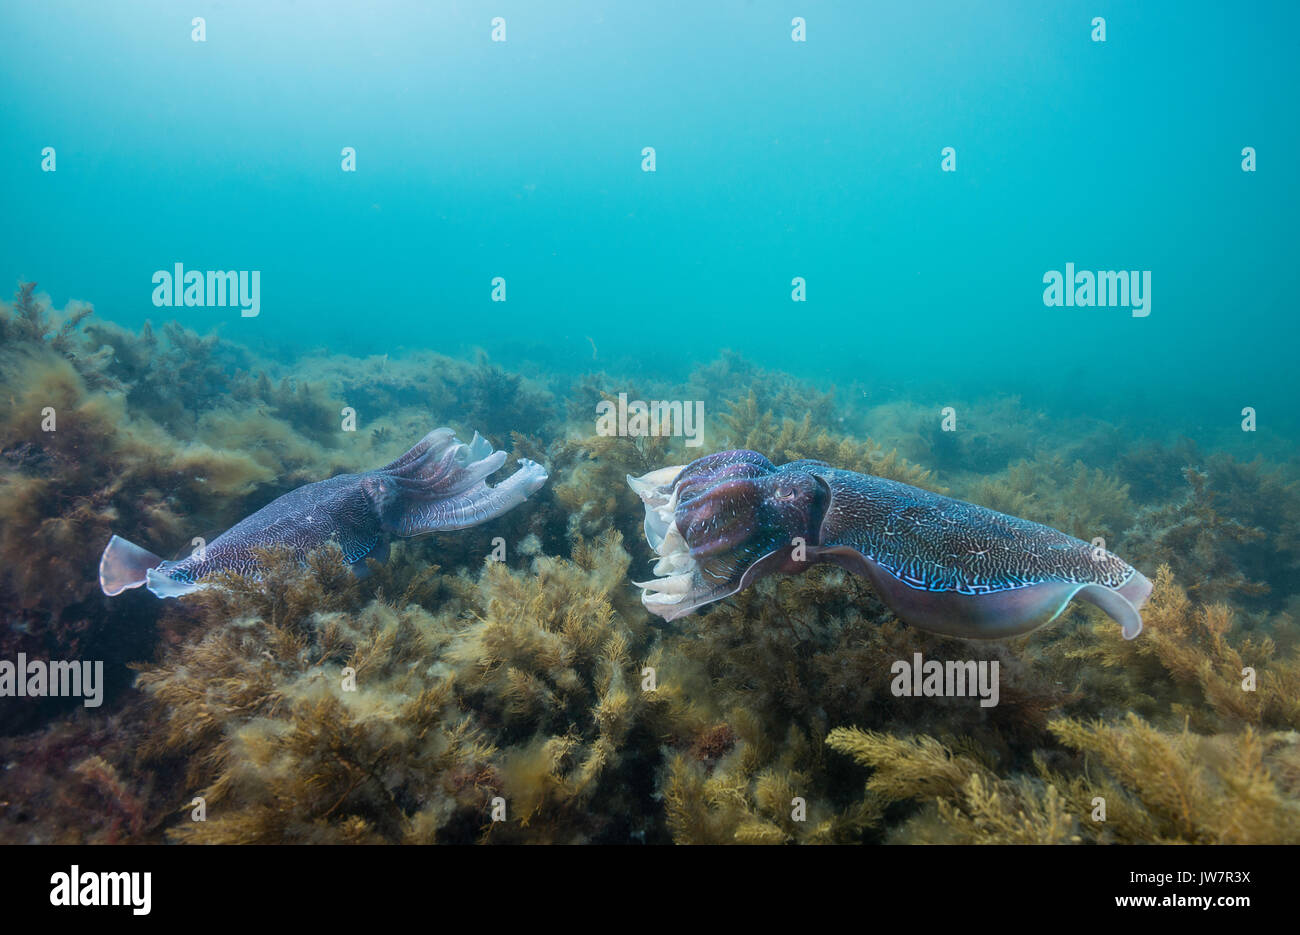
162,585
988,616
361,566
125,565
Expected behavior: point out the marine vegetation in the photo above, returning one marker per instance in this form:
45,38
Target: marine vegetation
319,715
504,683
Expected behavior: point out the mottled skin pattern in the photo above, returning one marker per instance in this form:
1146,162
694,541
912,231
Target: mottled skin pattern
337,510
936,543
941,564
437,485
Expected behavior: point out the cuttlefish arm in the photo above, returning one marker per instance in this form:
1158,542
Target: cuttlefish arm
439,484
720,523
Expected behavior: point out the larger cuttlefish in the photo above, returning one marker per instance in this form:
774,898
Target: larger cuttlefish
437,485
722,522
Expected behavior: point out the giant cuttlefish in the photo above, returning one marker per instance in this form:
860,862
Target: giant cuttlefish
437,485
722,522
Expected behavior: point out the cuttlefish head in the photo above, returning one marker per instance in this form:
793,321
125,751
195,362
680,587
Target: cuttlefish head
720,523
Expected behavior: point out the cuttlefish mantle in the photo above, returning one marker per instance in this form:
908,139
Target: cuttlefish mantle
438,485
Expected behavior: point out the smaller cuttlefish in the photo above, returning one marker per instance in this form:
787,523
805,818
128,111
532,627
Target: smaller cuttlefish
722,522
438,485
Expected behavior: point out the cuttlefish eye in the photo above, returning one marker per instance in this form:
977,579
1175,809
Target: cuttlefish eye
784,493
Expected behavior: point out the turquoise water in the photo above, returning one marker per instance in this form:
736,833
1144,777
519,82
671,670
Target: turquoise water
774,159
574,645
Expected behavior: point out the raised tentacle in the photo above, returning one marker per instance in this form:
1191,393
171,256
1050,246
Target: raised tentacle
419,513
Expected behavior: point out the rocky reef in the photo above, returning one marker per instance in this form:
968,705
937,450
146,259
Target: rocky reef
465,693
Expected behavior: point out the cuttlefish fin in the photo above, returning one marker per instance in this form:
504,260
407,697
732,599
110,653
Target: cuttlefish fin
125,565
996,614
163,586
361,567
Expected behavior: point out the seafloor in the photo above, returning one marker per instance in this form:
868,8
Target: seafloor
522,681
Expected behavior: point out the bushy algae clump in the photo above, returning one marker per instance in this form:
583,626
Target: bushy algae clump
506,685
306,713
